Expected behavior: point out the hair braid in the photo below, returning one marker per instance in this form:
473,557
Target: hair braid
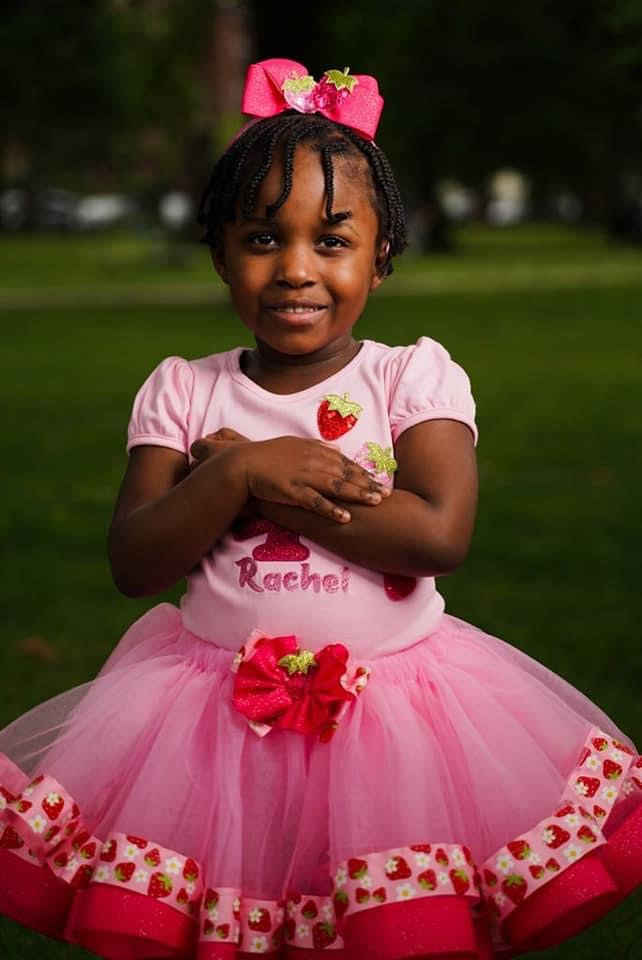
237,176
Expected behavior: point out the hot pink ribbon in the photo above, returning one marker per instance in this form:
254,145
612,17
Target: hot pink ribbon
264,96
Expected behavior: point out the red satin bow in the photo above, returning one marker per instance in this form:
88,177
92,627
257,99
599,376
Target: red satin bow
357,105
269,696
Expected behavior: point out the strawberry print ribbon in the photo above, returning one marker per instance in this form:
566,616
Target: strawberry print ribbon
278,685
273,86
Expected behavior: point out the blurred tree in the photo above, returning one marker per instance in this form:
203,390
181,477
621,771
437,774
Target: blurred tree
550,88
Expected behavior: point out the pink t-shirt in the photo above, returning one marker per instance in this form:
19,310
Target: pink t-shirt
261,576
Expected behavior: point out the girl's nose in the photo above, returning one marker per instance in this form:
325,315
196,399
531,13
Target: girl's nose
295,267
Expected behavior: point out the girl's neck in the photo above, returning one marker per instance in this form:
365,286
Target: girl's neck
290,373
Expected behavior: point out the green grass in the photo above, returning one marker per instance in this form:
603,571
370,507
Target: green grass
547,322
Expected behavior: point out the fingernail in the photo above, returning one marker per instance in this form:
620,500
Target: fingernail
373,497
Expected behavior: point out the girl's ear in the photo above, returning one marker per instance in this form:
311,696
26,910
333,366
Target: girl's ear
218,260
378,275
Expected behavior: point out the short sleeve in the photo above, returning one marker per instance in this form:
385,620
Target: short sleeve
428,385
161,408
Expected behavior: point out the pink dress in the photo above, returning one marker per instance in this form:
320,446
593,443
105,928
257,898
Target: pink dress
310,758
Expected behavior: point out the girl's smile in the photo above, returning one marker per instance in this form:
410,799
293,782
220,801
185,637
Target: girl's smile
299,281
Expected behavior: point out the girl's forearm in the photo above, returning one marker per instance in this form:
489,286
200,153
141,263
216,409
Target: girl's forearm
158,543
404,534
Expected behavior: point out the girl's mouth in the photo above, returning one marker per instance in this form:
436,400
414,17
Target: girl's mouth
301,312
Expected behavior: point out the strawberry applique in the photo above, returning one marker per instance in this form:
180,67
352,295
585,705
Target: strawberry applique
280,544
420,847
519,849
159,886
514,887
397,586
490,878
137,841
88,850
397,869
152,857
190,870
309,910
587,786
379,895
210,900
124,871
259,919
323,934
459,880
223,931
611,770
340,902
552,865
586,835
600,743
108,852
427,880
441,857
53,805
554,836
336,415
537,871
182,896
357,868
361,895
81,877
10,840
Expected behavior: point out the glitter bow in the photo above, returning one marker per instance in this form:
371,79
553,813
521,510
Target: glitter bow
278,685
273,86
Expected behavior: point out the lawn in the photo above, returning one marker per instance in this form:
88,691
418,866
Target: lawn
546,321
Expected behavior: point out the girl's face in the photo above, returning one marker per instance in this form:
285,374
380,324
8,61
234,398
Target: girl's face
298,282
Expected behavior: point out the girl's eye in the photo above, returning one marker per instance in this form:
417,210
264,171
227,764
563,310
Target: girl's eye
261,239
331,243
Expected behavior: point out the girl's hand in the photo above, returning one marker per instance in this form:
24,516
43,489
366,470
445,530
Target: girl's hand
304,473
213,443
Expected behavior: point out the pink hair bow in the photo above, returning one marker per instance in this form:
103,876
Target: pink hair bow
273,86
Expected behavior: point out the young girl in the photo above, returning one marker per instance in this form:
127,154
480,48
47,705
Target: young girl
310,756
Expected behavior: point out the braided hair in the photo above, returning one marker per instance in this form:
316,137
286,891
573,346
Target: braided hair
237,176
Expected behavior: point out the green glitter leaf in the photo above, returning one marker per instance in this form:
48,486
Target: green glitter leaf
299,84
301,662
383,460
343,405
341,80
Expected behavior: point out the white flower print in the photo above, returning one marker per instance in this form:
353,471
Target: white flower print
53,798
72,864
190,887
422,859
592,762
213,913
172,865
627,787
572,852
328,911
609,794
366,881
534,857
303,930
548,836
255,915
291,908
106,847
405,891
442,878
500,899
391,865
457,857
504,863
101,874
616,755
236,904
340,877
581,788
38,823
141,876
258,945
572,819
278,916
131,851
27,791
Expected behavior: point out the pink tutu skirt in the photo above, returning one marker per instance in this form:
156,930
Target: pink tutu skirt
471,804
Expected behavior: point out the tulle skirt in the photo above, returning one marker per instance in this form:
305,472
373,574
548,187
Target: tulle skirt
470,804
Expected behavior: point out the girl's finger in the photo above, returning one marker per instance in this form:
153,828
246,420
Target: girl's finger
344,490
317,503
